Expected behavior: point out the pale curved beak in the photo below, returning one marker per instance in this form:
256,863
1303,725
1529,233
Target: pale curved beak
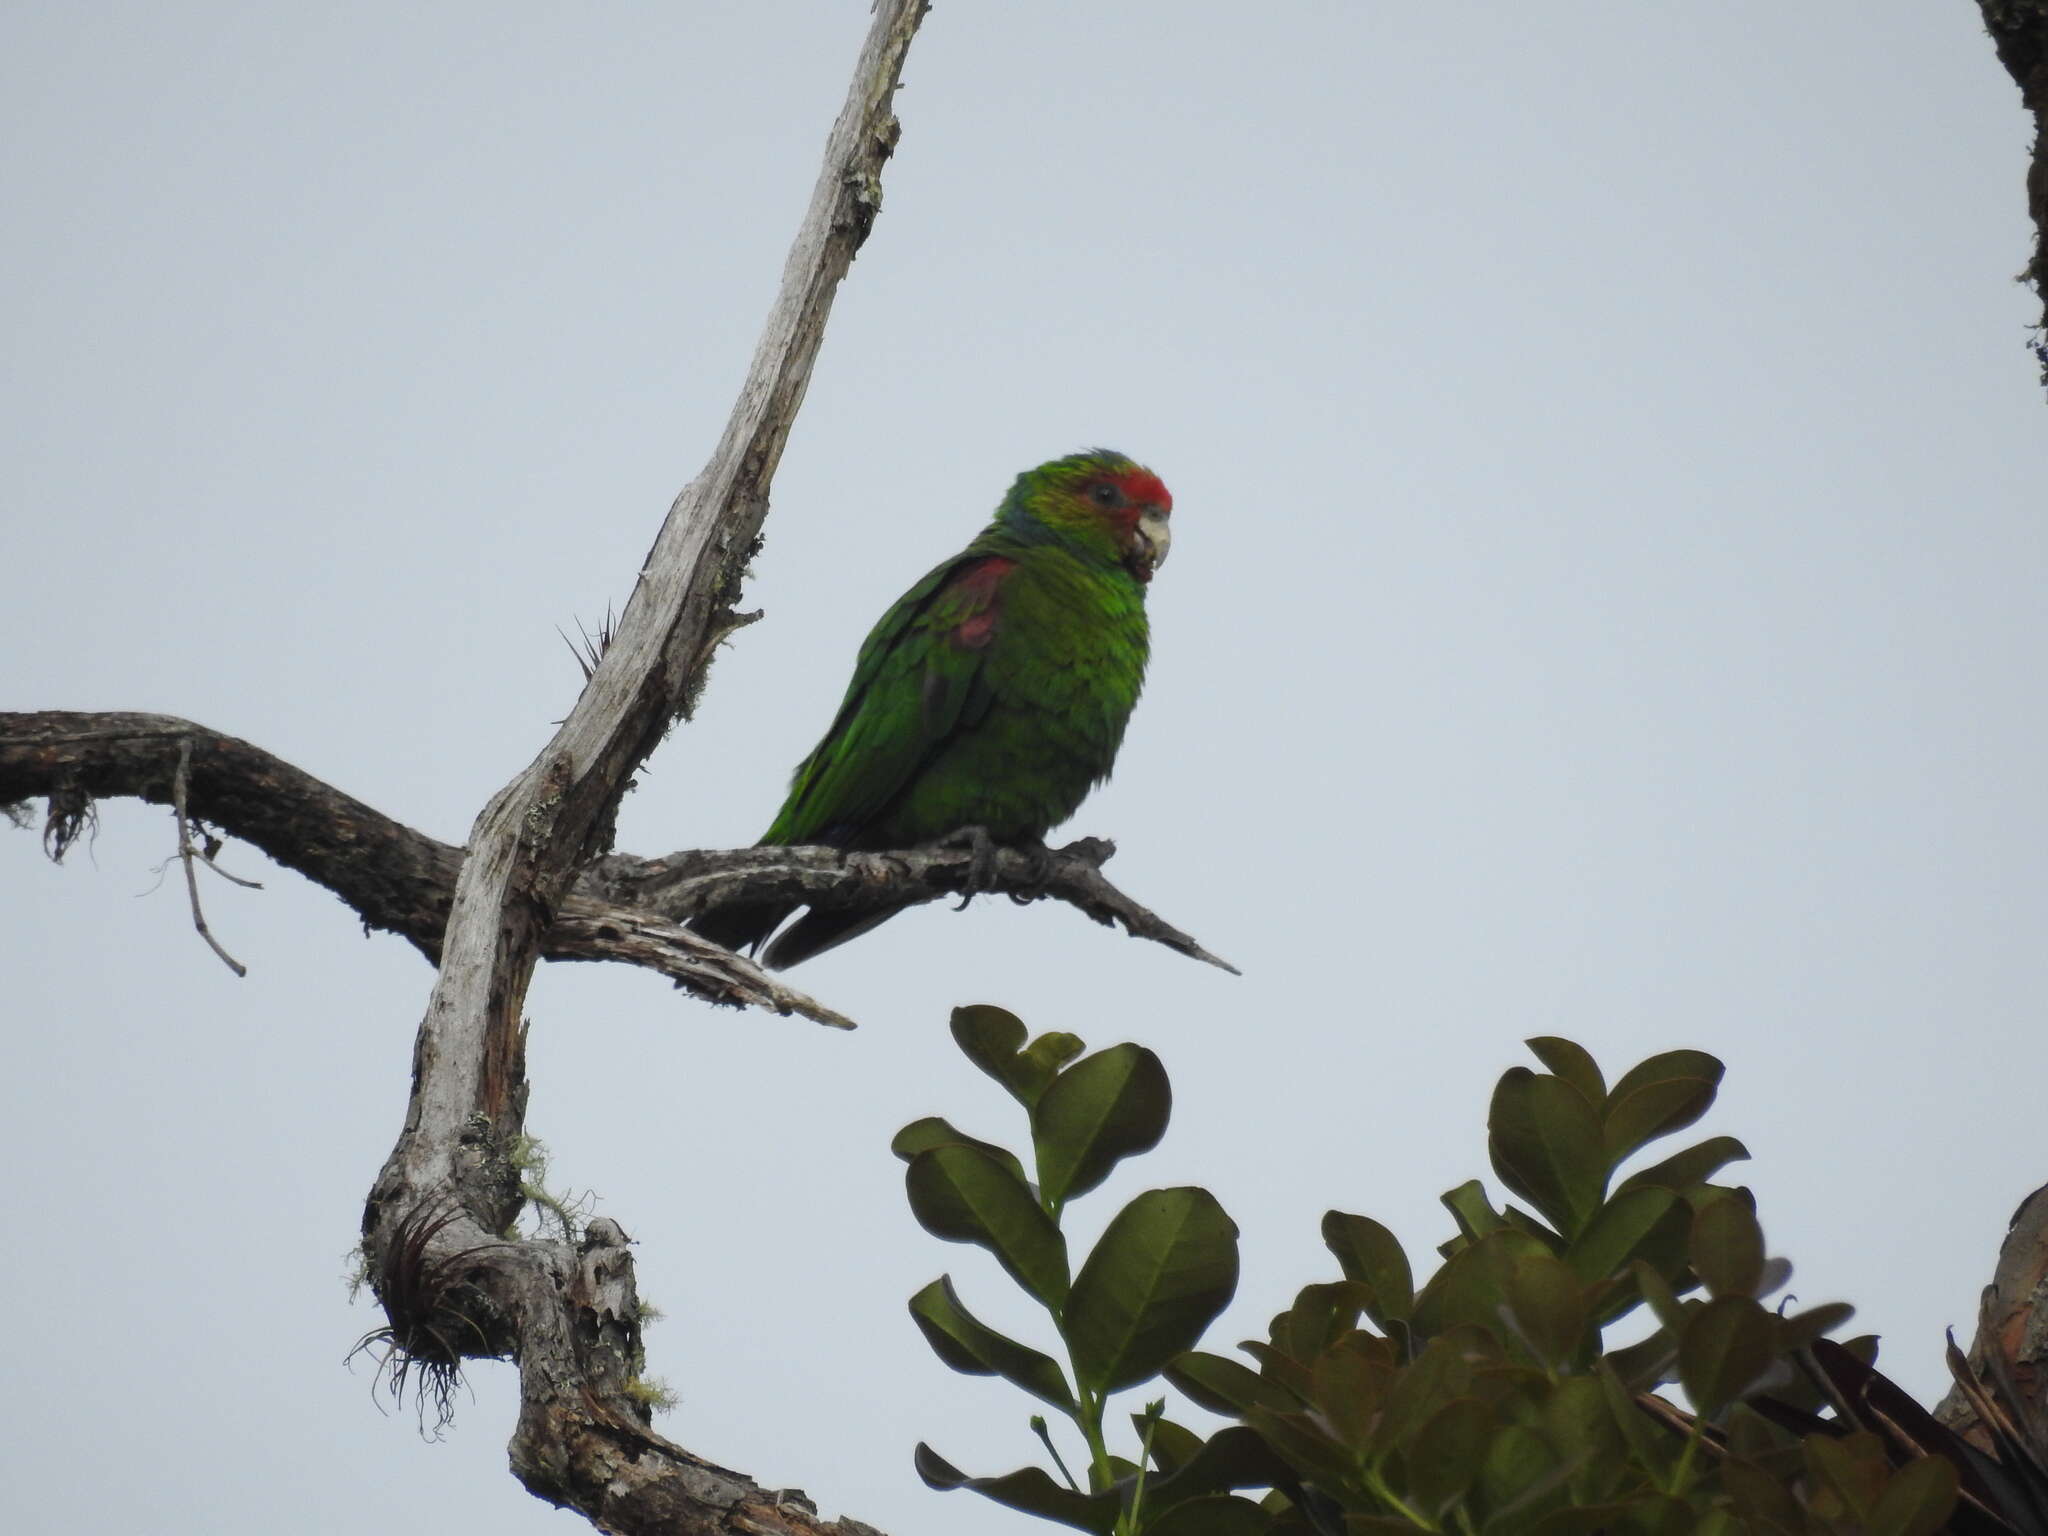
1155,538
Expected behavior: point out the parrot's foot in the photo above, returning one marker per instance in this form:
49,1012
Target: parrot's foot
981,865
877,868
1041,859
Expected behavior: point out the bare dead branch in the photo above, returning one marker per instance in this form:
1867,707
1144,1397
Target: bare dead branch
395,878
209,856
588,930
186,854
583,1439
621,908
684,884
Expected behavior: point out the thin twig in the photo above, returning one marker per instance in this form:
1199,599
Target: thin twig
207,854
588,930
185,855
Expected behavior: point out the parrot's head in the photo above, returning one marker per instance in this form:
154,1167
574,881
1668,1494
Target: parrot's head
1098,502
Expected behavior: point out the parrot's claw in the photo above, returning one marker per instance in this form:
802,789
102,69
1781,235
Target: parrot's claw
1040,877
981,865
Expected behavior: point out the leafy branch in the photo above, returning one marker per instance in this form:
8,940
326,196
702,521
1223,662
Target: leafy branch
1489,1400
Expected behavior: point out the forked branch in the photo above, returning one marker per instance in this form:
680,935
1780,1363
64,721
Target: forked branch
568,1314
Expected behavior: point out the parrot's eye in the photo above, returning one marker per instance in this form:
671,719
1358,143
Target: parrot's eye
1107,495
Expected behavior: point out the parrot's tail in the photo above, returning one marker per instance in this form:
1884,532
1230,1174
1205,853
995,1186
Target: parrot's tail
819,930
743,925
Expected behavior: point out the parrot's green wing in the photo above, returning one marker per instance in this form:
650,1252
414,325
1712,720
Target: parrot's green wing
918,681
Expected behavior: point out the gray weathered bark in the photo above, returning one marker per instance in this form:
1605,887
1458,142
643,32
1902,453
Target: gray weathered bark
569,1316
435,1220
620,907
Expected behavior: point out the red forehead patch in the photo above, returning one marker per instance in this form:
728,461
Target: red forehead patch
1141,486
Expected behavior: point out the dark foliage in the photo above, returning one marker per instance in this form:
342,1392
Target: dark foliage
1518,1388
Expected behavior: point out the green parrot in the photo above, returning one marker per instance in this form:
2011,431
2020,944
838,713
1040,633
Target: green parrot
992,696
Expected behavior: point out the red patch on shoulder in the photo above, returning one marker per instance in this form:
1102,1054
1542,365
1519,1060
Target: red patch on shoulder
978,585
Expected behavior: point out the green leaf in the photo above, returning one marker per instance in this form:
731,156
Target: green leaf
1728,1248
1121,1470
989,1036
1321,1314
1275,1365
964,1195
1546,1146
1760,1497
1658,1293
1646,1363
1221,1385
1517,1471
1852,1469
1505,1381
1548,1308
994,1040
934,1131
1469,1286
1372,1256
1754,1438
1583,1433
1581,1520
1619,1230
1571,1061
1052,1050
1029,1489
1349,1388
1443,1457
1724,1350
1215,1514
1684,1171
1164,1268
1664,1094
1666,1065
1650,1444
1531,1226
1650,1110
1800,1329
1918,1500
1443,1371
1233,1457
1299,1440
1659,1514
1098,1112
1173,1445
1475,1216
970,1346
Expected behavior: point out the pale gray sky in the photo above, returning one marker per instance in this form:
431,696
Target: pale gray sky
1606,600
